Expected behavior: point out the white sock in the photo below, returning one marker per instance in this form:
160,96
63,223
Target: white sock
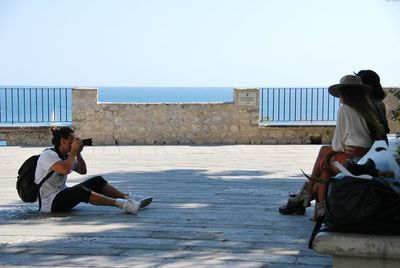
119,202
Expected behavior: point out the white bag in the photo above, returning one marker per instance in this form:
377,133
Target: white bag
383,159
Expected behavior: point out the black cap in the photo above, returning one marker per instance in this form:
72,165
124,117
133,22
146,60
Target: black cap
369,77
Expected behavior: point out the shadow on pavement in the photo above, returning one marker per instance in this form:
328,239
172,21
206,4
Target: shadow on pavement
198,218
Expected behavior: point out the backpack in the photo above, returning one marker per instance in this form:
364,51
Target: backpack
27,189
356,205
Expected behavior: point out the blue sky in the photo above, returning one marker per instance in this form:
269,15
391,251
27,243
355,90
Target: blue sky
238,43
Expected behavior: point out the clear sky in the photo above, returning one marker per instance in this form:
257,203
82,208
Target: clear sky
238,43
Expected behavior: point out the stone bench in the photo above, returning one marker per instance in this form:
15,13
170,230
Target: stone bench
359,250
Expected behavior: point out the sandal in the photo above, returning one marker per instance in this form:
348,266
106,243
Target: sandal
293,208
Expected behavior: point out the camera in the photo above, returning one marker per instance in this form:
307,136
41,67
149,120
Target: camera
87,142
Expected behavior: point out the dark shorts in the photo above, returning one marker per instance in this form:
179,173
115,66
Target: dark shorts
72,196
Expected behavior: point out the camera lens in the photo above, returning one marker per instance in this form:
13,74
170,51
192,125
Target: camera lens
87,142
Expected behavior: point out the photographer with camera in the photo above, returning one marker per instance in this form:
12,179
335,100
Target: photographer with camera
66,157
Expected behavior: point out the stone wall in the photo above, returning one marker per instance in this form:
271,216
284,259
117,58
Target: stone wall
179,123
26,136
182,123
392,103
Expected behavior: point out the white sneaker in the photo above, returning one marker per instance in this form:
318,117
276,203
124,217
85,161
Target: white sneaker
144,200
131,206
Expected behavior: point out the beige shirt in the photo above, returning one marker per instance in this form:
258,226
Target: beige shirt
351,129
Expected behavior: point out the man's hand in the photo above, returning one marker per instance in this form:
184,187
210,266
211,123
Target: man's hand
80,146
81,167
76,146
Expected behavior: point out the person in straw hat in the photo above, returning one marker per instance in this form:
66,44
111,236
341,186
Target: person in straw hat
356,129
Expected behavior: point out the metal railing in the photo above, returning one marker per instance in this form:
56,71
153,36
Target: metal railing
297,106
35,106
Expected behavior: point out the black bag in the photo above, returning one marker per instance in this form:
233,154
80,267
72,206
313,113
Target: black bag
354,205
27,189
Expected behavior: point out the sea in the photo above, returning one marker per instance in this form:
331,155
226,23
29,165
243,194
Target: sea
165,94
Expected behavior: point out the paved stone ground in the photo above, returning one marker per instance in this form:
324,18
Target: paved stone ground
214,206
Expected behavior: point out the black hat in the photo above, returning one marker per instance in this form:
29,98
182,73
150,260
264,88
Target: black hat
369,77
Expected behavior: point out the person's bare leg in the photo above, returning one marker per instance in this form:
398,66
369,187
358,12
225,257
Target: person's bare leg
308,190
101,200
128,206
316,171
110,191
319,191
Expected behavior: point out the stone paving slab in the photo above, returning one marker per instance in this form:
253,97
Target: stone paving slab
214,206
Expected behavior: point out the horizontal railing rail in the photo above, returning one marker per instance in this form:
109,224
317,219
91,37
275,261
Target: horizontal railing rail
35,106
297,106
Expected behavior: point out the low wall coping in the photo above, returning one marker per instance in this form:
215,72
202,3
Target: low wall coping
359,250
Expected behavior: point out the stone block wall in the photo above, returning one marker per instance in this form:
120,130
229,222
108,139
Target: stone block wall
182,123
26,136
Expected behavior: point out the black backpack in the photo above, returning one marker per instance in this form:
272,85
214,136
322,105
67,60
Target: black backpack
355,205
27,189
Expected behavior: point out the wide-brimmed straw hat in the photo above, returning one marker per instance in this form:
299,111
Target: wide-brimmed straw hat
348,81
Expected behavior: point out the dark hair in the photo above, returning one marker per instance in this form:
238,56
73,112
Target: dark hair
356,98
370,78
59,133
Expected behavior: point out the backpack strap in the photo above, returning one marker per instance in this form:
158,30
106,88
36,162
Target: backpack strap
47,176
40,185
317,228
55,149
321,219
